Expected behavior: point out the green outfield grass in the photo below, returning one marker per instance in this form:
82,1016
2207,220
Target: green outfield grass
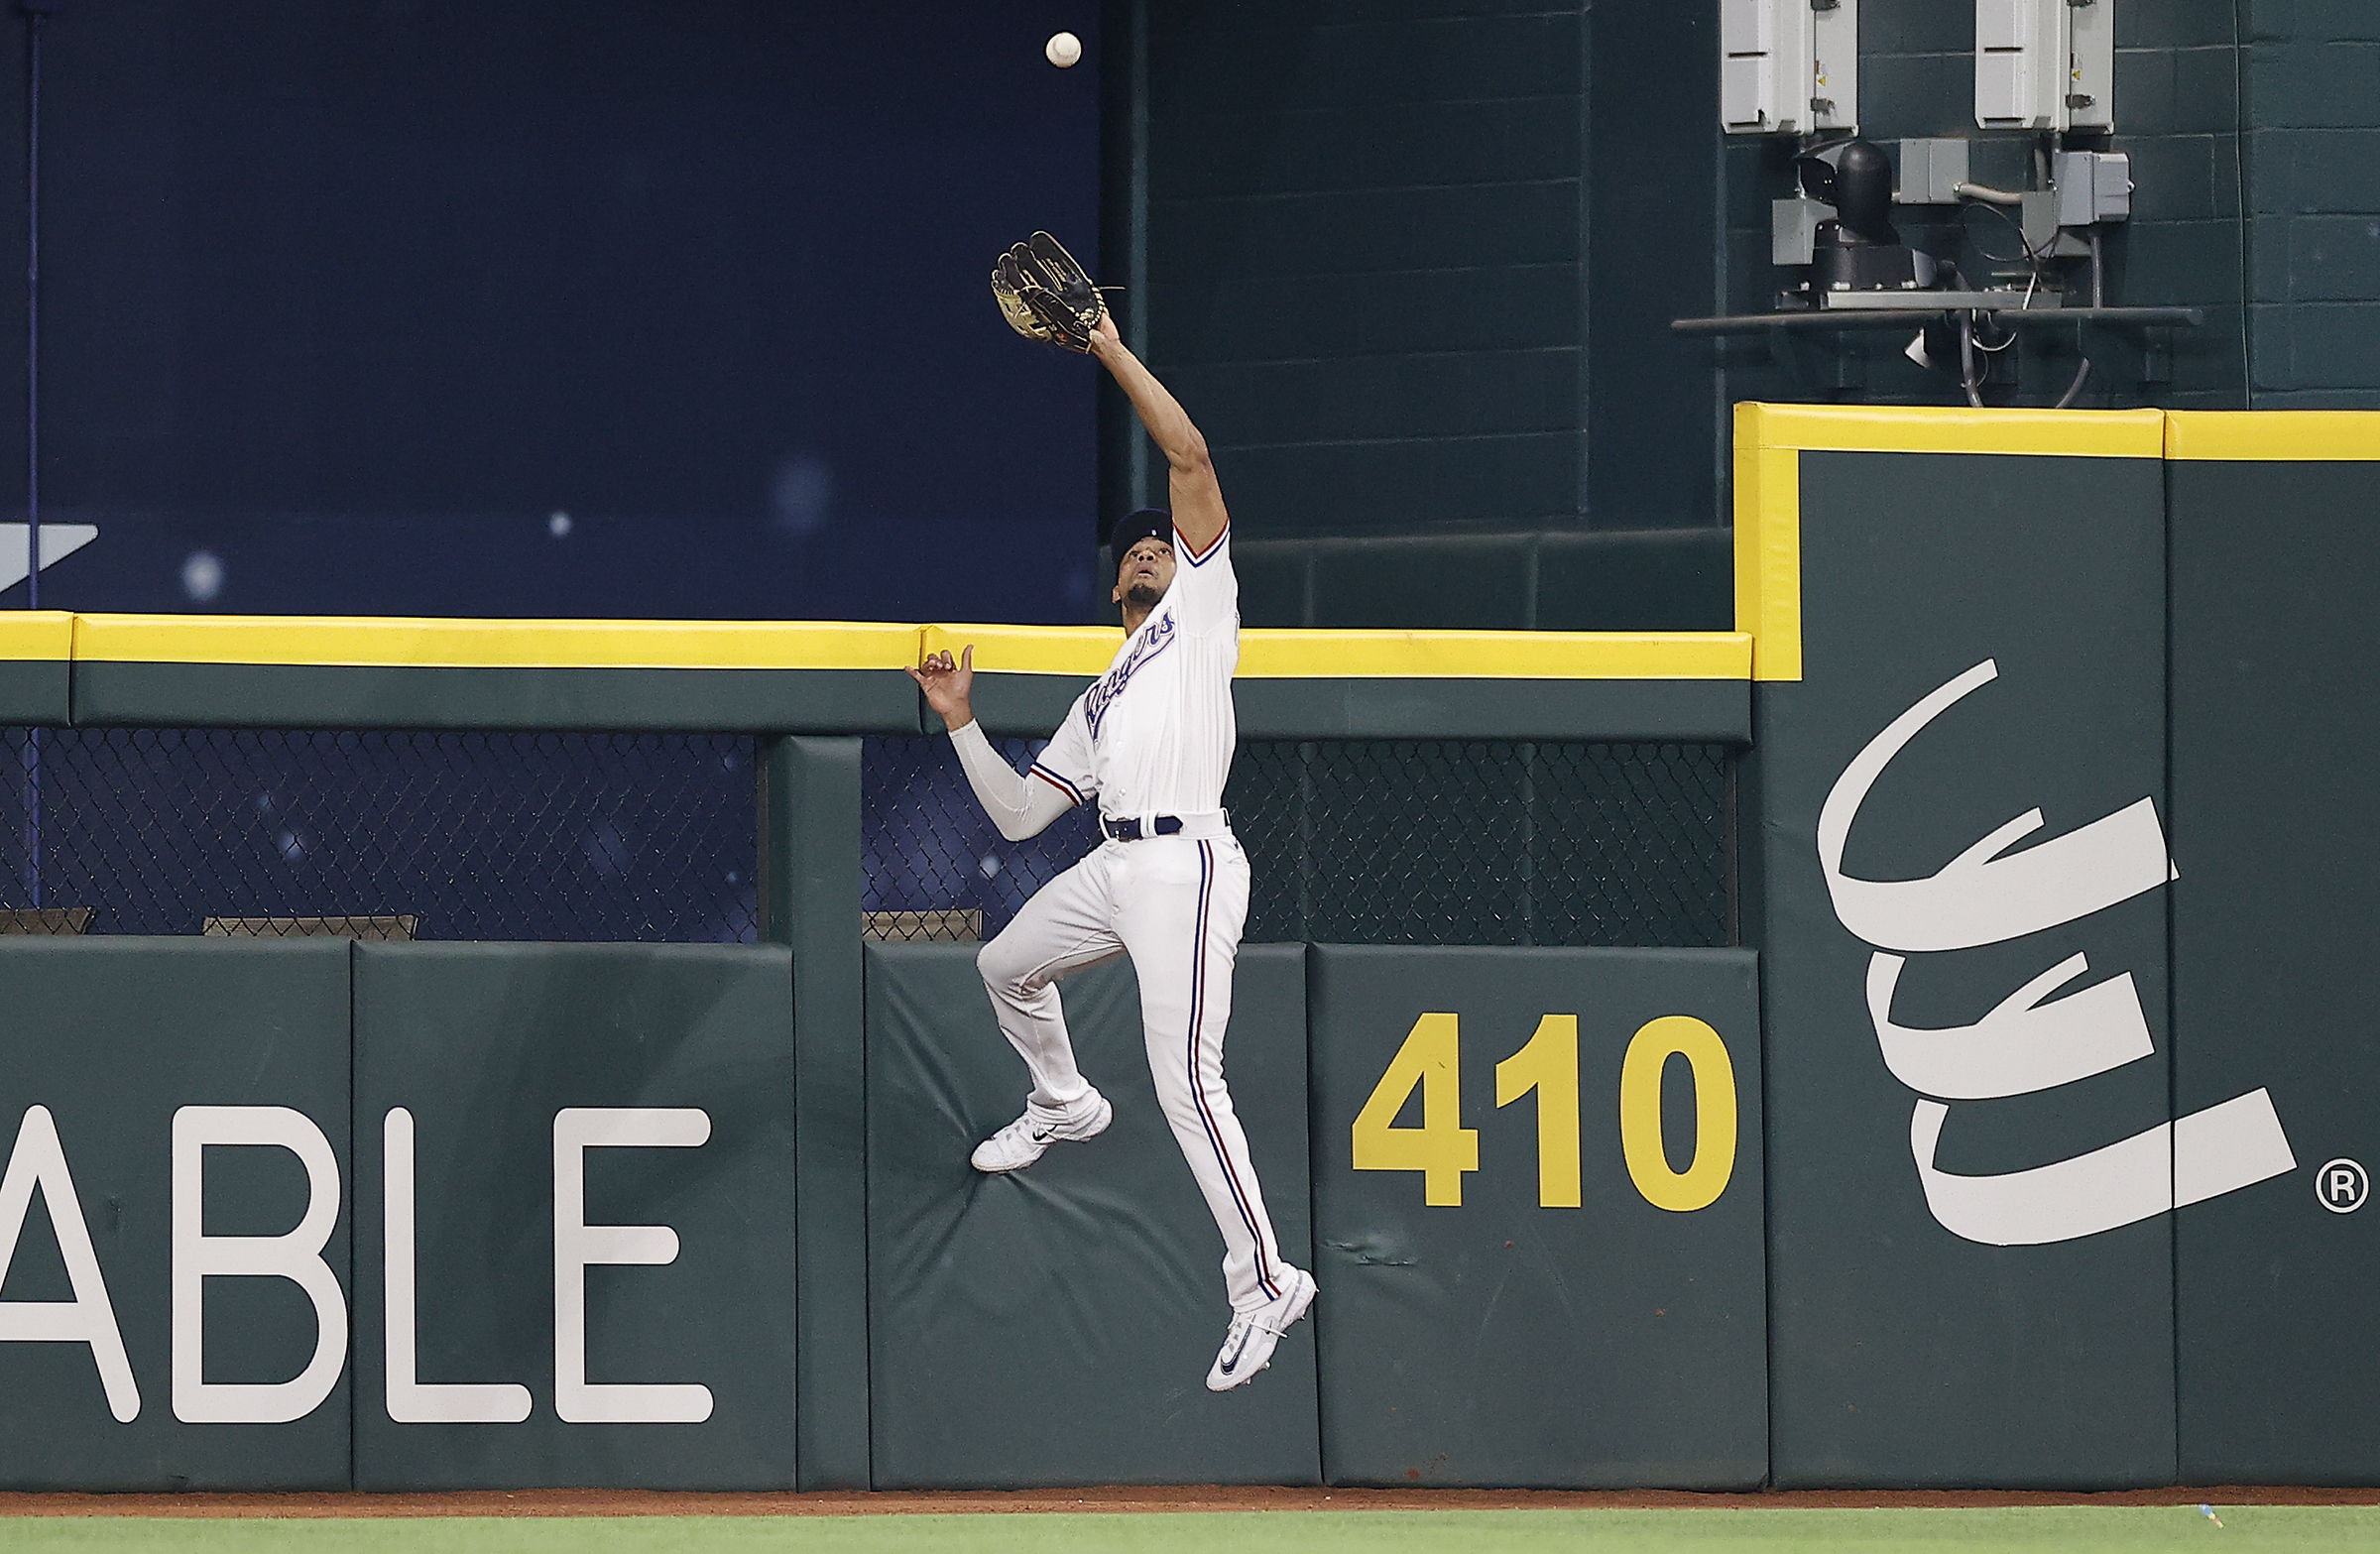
2079,1529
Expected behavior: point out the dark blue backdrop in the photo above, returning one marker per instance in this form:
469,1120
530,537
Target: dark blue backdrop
589,308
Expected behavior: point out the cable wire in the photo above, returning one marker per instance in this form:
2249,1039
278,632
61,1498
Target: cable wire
1968,378
2066,400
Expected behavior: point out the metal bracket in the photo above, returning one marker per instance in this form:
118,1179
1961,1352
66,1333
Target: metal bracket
2010,311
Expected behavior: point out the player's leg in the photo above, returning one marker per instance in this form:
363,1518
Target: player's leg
1182,908
1063,929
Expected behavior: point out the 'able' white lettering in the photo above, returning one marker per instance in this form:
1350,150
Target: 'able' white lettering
412,1401
578,1245
40,1161
295,1256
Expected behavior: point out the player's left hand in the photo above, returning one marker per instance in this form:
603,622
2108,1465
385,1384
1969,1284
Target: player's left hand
1045,295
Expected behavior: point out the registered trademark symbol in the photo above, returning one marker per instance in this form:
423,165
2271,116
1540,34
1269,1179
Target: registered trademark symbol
2342,1185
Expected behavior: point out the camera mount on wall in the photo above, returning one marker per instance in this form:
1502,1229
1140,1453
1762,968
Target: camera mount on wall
1839,226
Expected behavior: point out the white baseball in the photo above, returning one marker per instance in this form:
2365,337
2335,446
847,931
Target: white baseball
1063,49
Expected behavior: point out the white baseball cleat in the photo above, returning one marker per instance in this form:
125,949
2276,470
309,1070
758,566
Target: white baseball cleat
1247,1346
1027,1139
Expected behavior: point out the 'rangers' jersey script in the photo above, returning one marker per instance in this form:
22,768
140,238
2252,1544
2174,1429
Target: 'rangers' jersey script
1153,736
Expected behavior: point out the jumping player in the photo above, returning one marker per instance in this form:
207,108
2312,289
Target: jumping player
1150,743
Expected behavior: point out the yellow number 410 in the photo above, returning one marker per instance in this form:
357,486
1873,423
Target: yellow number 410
1442,1149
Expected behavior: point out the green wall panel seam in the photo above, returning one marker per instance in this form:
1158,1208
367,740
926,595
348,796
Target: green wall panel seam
2173,1024
355,1147
810,900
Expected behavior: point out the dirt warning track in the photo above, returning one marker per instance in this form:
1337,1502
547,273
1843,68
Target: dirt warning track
1195,1498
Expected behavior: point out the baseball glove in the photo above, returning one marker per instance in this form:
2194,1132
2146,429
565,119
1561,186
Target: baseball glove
1045,296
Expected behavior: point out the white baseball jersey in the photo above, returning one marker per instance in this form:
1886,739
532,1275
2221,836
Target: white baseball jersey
1153,736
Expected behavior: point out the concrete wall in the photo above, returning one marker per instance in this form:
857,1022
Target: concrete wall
1376,241
1365,245
2313,204
1411,266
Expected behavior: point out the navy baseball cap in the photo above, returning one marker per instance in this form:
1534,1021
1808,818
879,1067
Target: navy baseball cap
1150,523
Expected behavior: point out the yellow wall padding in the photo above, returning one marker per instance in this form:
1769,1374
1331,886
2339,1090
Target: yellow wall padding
466,644
1929,428
2292,437
36,635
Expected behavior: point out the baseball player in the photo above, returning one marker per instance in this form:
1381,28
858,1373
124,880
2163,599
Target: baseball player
1149,742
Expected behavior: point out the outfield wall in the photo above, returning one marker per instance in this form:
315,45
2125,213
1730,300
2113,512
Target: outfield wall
2050,840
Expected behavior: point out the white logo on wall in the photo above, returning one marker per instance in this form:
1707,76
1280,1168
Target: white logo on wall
2342,1185
2032,1041
58,541
39,1161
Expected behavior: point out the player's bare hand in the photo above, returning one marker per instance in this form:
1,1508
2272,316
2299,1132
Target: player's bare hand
948,685
1103,333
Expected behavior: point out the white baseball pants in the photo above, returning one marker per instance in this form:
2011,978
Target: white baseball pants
1176,905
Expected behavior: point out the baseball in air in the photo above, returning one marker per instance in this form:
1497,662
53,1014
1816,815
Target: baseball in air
1063,48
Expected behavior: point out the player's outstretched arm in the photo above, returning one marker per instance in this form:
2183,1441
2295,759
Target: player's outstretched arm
1197,497
1020,806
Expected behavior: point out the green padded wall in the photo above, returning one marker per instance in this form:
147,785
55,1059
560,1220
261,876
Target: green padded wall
1498,1340
483,1044
111,1037
34,690
2274,981
1055,1326
1903,1352
1648,711
413,696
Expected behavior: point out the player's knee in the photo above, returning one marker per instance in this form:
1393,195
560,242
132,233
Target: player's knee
1002,969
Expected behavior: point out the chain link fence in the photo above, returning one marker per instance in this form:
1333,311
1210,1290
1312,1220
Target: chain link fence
653,837
593,837
1362,842
934,866
1485,842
